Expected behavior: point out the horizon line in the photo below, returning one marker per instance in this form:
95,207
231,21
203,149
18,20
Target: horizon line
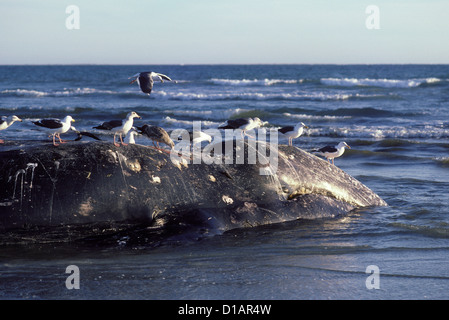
216,64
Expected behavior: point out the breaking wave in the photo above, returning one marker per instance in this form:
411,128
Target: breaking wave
255,82
381,132
294,96
58,93
201,95
383,83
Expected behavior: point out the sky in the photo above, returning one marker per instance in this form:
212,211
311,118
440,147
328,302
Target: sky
224,32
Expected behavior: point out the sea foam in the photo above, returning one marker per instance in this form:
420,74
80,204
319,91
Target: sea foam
384,83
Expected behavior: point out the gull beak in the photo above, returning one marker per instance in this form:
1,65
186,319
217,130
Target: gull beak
348,147
73,120
133,81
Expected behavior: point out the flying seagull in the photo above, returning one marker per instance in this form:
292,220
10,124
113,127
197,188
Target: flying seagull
245,124
145,80
120,127
6,122
56,126
331,152
293,132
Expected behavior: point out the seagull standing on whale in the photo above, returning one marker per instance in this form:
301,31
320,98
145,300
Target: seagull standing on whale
157,134
293,132
331,152
6,122
119,127
56,126
245,124
145,80
131,137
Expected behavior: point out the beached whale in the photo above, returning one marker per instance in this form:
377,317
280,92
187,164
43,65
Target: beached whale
88,182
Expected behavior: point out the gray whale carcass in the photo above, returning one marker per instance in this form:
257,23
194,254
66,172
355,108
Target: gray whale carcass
90,182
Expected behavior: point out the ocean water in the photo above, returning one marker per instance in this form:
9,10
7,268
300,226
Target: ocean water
394,117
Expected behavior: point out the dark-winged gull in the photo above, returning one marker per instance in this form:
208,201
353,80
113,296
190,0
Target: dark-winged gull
145,80
156,134
293,132
6,122
120,127
197,137
56,127
245,124
331,152
83,133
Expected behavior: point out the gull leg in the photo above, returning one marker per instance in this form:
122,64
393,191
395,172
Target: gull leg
60,140
159,148
121,140
154,146
248,135
2,141
115,143
54,142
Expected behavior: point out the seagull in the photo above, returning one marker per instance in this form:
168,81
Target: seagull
83,133
145,80
293,132
197,137
6,122
157,134
333,152
120,127
244,124
130,137
56,126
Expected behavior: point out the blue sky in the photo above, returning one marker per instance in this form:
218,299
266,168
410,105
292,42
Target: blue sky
227,31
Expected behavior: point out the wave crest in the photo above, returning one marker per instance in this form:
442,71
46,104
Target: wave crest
59,93
254,82
383,83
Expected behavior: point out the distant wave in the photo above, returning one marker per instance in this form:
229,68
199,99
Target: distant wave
314,117
300,96
188,123
361,112
198,94
345,82
187,96
58,93
340,113
381,132
384,83
252,82
444,161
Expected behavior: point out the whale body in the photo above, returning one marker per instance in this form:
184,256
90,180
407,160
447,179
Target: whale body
88,182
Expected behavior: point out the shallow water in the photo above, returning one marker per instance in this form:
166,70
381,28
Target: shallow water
393,117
